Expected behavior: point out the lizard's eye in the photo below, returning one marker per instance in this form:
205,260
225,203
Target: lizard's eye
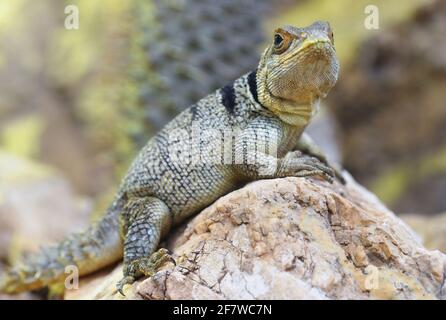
331,37
281,42
278,40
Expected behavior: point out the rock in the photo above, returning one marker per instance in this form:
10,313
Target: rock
432,229
22,296
37,206
290,238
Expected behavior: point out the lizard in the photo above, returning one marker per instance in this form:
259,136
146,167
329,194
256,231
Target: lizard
250,129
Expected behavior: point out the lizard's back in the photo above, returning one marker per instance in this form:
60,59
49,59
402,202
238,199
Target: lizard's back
188,164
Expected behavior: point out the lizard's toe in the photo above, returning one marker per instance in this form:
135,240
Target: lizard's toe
121,283
146,266
161,257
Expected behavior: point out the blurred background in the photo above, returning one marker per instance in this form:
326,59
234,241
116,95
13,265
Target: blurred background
76,105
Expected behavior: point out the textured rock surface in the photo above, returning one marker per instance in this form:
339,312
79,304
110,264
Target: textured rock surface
290,238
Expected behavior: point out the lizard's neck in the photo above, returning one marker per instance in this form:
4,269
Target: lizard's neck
297,114
288,111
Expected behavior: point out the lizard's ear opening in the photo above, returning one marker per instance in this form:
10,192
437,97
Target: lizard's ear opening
330,35
282,41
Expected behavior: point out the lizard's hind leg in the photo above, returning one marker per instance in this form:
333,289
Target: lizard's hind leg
143,222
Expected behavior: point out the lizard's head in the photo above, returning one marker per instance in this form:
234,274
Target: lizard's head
298,68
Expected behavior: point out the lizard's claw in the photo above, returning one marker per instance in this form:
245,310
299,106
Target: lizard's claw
121,283
314,165
171,259
337,172
156,260
146,266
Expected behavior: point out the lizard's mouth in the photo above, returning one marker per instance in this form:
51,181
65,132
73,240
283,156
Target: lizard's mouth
318,48
310,74
319,67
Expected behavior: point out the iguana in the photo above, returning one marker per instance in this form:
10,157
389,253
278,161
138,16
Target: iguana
250,129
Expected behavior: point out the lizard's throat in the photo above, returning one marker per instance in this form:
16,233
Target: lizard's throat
293,114
288,111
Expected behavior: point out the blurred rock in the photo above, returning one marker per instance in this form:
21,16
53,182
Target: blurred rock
37,206
424,194
289,238
431,229
22,296
324,131
390,108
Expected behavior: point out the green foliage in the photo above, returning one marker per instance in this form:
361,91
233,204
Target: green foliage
14,169
77,53
9,10
394,182
22,137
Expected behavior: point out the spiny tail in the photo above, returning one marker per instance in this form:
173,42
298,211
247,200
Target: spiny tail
97,247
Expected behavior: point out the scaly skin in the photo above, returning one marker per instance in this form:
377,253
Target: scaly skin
247,130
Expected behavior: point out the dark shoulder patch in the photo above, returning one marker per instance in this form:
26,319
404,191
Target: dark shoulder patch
228,97
252,82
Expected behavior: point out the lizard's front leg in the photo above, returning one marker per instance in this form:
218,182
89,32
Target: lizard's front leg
143,222
292,165
258,145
